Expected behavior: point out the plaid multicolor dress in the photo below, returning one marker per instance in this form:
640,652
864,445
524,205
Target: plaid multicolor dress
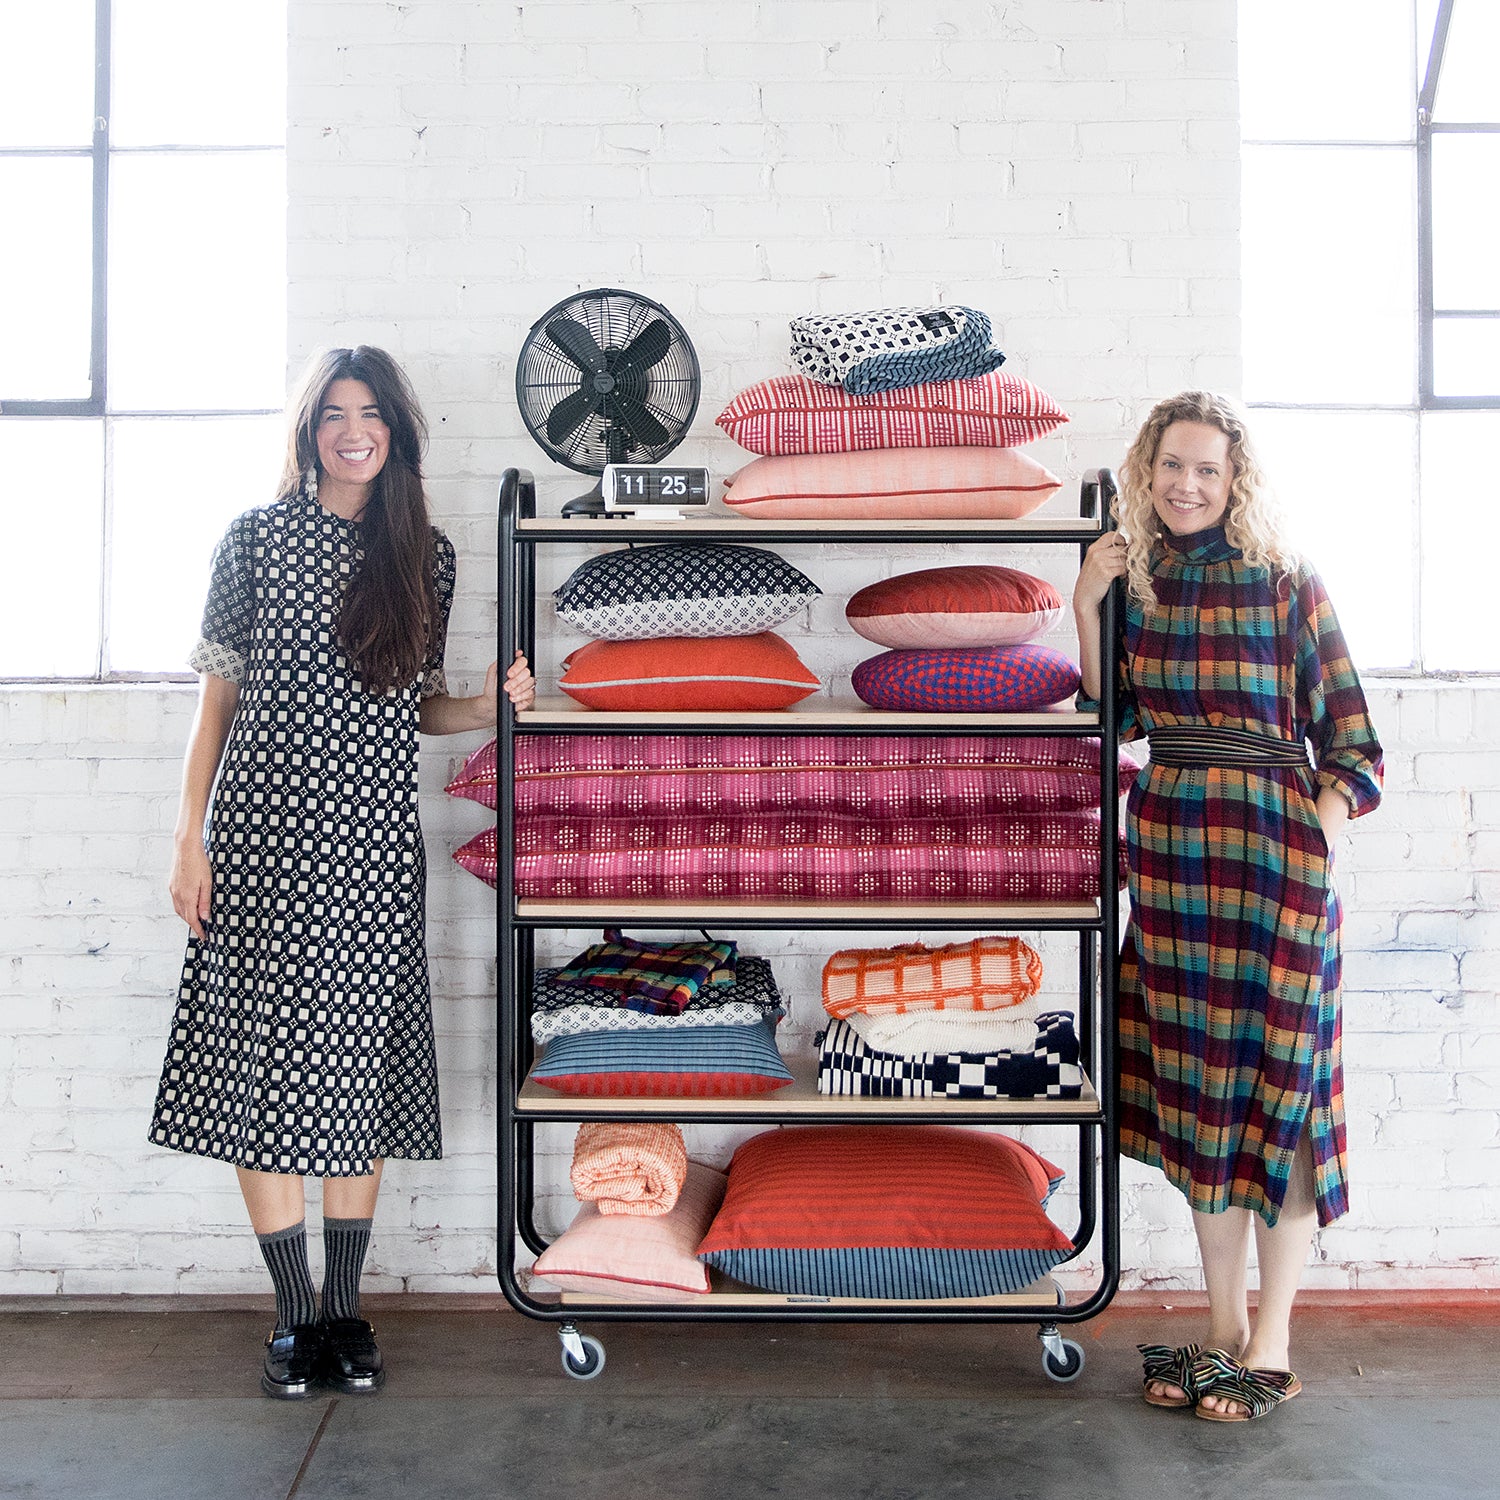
1230,968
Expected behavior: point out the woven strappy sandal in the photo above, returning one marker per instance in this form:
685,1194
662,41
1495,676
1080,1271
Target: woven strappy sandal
1262,1391
1170,1367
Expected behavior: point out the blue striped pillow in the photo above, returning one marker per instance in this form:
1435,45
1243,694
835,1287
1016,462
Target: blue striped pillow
702,1062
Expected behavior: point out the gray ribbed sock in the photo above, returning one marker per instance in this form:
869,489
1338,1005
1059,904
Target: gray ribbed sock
285,1252
344,1244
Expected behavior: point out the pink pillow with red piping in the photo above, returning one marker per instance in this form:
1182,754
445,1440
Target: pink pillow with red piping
976,605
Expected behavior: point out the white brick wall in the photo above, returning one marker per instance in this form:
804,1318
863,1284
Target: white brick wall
1068,165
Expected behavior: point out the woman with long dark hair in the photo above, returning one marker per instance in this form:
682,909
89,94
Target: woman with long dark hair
1261,751
302,1044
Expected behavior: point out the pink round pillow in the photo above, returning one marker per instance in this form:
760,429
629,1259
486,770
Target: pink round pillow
976,605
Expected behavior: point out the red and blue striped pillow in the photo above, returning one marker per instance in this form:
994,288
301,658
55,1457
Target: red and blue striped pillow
900,1211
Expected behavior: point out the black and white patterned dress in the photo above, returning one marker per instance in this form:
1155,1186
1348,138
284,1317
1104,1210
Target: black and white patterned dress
303,1036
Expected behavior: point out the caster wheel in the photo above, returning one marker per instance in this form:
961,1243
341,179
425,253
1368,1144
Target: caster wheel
591,1363
1069,1367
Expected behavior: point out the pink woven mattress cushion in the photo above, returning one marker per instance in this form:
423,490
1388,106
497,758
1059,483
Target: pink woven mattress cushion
476,780
884,776
968,866
934,483
792,414
829,818
976,605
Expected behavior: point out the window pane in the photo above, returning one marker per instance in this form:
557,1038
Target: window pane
47,73
1337,70
1329,275
197,281
1465,221
1460,533
49,565
46,277
1468,87
175,486
196,74
1348,483
1466,357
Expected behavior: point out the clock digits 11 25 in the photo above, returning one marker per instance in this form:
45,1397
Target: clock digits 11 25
629,485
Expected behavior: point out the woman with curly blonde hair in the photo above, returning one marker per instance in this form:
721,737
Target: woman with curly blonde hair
1232,664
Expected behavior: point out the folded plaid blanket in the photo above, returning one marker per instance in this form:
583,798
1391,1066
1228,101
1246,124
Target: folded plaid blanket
629,1168
982,974
657,977
564,1010
892,347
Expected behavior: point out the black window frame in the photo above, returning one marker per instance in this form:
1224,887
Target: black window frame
1428,313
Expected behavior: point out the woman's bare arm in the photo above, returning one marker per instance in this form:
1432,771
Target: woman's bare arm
189,881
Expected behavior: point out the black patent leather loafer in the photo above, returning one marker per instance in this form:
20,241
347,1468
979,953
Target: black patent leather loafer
351,1358
293,1360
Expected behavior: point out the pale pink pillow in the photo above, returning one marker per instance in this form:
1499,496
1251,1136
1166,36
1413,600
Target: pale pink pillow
976,604
644,1260
937,483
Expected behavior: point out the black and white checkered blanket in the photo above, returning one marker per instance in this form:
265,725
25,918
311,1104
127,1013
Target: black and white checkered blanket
847,1065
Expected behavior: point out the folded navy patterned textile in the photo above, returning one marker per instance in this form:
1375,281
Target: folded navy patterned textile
848,1065
888,348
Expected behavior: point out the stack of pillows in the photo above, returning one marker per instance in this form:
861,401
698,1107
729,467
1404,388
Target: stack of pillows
898,414
824,818
956,1022
658,1020
685,626
865,1211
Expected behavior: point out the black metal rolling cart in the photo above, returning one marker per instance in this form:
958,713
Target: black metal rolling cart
522,1105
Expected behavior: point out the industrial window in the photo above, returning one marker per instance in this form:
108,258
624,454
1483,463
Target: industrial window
142,318
1371,136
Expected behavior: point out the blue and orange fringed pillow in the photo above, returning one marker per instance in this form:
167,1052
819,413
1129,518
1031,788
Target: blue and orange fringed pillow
893,1211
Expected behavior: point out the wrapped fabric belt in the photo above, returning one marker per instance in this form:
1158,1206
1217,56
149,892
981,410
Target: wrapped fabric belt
1209,745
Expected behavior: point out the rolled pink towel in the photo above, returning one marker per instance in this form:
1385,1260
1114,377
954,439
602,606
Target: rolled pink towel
629,1168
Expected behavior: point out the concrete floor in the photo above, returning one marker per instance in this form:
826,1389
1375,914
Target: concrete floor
159,1401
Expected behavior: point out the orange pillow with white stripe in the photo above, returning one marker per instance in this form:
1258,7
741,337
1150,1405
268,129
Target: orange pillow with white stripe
997,484
984,973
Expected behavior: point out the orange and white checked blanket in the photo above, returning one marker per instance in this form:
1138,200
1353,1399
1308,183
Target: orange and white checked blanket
986,973
628,1168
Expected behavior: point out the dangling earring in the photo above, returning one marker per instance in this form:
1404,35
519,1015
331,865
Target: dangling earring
310,482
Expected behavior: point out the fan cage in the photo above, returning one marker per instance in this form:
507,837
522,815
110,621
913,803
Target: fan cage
546,375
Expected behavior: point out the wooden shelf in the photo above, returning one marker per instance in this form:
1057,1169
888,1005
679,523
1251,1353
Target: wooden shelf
811,714
800,1100
722,526
781,913
724,1293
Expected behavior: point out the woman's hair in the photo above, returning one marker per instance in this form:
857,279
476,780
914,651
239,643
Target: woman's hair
388,620
1252,521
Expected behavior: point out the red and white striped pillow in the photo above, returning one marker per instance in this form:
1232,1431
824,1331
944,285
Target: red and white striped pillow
792,414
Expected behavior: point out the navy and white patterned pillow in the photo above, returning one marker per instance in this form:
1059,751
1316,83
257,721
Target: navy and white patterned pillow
892,347
682,588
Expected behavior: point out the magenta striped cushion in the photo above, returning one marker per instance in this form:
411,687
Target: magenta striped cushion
881,873
792,414
548,757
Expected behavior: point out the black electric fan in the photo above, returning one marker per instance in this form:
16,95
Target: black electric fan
606,377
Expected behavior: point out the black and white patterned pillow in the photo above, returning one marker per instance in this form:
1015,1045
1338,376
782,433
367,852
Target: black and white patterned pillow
682,588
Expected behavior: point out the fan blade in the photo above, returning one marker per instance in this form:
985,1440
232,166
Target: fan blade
647,348
644,428
566,417
578,344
